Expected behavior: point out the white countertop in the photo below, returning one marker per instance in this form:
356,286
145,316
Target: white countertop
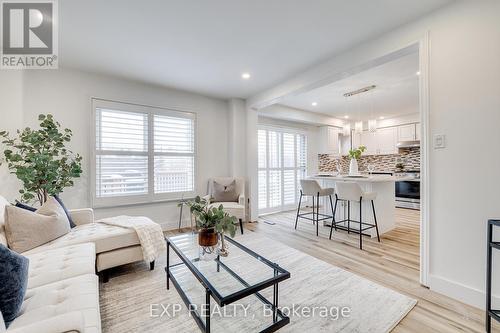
364,178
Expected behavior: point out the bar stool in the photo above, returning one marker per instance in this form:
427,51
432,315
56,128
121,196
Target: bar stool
310,187
349,191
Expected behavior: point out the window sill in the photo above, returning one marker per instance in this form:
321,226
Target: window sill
141,203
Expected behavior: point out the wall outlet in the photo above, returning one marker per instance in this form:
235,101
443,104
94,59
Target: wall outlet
439,141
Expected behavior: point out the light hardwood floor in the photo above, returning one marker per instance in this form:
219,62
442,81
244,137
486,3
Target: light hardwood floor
393,263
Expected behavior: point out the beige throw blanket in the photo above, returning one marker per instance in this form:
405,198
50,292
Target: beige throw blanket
150,233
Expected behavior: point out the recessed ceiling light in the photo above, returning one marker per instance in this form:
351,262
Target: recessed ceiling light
417,73
346,117
245,76
381,118
314,103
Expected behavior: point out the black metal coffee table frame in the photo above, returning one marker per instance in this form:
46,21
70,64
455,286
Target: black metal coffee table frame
279,319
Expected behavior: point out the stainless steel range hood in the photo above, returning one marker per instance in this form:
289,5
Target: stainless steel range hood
408,144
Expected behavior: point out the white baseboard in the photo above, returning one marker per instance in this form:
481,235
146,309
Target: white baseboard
171,225
463,293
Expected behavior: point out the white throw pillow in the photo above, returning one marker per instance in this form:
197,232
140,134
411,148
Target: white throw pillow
26,230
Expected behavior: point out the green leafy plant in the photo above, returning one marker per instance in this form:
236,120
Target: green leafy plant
400,166
40,159
356,153
212,217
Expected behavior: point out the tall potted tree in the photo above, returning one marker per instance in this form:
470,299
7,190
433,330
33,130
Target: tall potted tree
40,160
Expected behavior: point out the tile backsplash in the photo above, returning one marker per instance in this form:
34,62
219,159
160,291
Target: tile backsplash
410,157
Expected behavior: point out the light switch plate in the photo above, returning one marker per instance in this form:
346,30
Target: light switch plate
439,141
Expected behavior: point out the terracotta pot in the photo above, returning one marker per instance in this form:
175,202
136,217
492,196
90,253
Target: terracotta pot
207,237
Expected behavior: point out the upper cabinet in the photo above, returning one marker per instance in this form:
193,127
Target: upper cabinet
345,144
369,140
329,142
383,141
418,129
408,132
387,138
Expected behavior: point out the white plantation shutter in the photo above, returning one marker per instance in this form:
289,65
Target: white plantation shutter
282,159
121,153
142,154
174,154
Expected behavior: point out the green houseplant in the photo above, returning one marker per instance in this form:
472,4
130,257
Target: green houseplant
210,221
355,154
40,160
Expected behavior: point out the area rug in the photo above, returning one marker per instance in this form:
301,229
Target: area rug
318,297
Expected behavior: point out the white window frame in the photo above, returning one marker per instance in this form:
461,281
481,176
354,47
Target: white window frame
150,197
282,168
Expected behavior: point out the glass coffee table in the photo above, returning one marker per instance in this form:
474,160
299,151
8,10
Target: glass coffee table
243,276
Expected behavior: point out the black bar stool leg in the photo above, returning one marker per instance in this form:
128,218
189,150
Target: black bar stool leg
333,212
375,218
313,209
348,217
298,210
360,226
333,221
317,215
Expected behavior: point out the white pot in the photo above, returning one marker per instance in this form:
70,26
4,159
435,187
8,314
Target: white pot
353,167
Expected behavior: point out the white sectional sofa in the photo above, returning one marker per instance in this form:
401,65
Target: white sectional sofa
63,288
114,246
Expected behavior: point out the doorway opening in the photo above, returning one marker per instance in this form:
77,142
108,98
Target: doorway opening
390,119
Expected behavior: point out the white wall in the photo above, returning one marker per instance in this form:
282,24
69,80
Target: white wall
237,137
465,106
67,95
11,118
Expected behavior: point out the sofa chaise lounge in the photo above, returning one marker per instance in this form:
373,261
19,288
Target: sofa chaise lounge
63,288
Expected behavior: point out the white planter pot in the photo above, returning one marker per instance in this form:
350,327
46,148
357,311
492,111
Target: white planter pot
353,167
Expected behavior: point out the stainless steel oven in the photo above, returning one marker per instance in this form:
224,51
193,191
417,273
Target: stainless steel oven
408,191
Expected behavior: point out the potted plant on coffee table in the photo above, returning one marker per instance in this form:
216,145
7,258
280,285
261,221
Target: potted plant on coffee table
211,221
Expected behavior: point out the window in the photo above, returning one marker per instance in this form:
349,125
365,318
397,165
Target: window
142,154
282,160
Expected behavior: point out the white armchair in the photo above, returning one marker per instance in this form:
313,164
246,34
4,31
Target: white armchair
236,208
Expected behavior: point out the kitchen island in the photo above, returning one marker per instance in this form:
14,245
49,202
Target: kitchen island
385,203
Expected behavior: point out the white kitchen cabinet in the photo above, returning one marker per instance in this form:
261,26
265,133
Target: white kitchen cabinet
369,140
418,129
386,140
356,140
329,142
345,144
406,132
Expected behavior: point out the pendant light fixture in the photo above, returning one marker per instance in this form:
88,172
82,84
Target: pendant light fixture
346,129
372,123
358,125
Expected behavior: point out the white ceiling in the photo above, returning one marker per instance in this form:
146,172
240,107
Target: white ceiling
204,46
396,94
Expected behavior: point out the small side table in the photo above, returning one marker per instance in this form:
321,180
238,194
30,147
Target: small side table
182,203
490,313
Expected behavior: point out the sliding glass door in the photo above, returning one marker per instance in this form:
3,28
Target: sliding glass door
282,163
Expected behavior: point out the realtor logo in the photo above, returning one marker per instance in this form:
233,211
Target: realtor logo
29,34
